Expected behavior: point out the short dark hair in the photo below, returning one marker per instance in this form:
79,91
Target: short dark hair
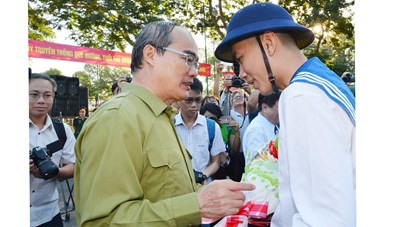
44,77
115,85
212,108
269,100
156,34
197,85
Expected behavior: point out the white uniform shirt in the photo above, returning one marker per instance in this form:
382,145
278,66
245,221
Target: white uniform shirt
196,141
259,132
43,193
316,166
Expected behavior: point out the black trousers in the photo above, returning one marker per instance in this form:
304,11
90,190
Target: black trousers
55,222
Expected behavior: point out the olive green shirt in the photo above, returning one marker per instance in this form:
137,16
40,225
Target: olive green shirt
131,168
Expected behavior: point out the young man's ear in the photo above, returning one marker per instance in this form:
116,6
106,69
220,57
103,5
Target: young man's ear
269,41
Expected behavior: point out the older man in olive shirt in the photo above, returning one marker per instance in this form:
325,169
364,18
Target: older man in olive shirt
131,168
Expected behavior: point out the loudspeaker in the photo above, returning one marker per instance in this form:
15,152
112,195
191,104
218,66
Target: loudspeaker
72,106
73,86
59,107
84,98
62,85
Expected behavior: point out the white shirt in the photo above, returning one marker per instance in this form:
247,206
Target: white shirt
316,160
43,193
259,132
196,141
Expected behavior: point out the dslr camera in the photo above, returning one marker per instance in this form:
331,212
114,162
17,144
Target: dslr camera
237,82
42,161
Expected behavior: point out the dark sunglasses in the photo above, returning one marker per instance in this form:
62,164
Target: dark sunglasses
191,100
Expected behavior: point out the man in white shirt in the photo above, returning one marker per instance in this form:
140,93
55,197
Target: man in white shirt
262,128
44,209
316,149
193,132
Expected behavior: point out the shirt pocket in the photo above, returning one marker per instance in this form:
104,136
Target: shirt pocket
164,172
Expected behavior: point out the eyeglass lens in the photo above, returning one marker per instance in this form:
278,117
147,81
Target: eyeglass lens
191,100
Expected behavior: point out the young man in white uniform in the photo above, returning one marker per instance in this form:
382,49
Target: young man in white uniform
316,112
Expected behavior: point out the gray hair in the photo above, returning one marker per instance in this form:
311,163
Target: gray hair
44,77
156,34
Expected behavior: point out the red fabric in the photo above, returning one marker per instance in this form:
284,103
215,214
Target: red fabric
204,70
247,211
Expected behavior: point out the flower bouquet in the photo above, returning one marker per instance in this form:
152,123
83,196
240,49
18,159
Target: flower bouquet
262,171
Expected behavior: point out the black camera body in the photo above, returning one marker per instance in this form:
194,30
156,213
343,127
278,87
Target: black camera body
237,82
42,161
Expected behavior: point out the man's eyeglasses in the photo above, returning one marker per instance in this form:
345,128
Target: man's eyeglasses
238,97
189,58
46,96
191,100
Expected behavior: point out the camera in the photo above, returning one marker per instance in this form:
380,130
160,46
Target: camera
42,161
237,82
347,77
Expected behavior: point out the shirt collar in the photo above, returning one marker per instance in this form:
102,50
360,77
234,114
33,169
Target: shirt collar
155,103
46,125
201,120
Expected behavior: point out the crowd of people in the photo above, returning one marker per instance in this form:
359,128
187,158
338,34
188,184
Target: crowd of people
159,153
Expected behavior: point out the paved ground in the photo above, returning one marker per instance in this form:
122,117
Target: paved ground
66,202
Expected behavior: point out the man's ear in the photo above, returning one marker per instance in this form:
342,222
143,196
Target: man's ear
269,41
149,52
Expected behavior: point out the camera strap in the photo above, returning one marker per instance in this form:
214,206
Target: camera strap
62,137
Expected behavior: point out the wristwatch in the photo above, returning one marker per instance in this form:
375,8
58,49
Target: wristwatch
200,177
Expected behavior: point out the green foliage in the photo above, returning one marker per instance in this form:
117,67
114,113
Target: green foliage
38,27
102,24
332,24
114,24
53,71
99,79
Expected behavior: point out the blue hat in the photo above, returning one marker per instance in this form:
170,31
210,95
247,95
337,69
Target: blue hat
257,18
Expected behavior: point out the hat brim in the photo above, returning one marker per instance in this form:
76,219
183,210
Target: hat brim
302,35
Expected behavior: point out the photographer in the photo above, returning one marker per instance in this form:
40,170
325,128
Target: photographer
232,83
44,209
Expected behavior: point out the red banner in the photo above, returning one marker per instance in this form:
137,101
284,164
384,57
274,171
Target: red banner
42,49
204,69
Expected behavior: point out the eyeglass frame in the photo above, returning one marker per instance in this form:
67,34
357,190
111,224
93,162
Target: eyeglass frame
36,96
195,63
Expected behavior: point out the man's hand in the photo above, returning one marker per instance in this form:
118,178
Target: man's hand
247,88
228,82
220,67
221,198
33,169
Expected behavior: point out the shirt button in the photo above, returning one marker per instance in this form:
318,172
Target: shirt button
31,205
33,191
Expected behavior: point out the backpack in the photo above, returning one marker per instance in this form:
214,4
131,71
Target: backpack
211,132
62,137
